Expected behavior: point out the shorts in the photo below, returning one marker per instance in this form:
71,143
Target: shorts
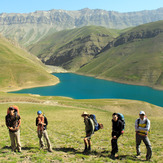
88,136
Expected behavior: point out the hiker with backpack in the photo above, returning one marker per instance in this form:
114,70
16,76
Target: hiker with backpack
89,129
41,123
142,126
117,131
13,122
91,126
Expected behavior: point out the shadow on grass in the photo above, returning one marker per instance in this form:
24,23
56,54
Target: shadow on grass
63,149
104,153
74,151
29,148
23,148
128,157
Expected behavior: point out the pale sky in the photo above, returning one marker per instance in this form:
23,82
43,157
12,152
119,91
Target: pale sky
26,6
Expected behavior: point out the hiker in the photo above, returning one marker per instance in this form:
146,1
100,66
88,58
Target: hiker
89,129
41,123
13,122
117,130
142,126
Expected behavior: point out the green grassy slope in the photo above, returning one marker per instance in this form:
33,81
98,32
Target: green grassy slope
66,129
73,48
19,69
135,57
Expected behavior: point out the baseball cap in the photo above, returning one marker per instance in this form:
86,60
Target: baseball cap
39,112
142,112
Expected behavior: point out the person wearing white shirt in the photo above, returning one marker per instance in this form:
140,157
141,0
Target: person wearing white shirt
142,127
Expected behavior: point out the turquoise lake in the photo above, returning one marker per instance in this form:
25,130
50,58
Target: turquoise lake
83,87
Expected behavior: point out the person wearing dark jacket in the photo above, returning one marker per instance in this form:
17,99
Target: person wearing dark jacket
13,122
117,127
41,123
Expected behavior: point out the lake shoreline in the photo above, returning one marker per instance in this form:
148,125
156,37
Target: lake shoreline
121,82
31,86
77,86
102,78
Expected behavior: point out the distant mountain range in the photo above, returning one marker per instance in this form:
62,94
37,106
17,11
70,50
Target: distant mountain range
31,27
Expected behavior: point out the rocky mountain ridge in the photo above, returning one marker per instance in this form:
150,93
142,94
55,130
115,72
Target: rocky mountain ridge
29,28
110,19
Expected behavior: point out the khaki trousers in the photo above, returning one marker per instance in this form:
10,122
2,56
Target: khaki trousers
44,134
15,140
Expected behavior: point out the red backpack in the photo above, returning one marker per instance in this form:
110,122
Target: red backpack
16,110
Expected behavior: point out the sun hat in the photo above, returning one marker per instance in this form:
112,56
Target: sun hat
142,112
84,113
39,112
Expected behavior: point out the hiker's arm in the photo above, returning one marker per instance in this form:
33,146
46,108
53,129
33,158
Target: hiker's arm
120,129
16,128
136,125
36,121
7,124
45,122
19,123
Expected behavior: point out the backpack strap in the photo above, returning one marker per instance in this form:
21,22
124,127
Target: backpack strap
138,121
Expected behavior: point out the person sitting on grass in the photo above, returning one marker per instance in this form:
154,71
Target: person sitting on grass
41,123
89,129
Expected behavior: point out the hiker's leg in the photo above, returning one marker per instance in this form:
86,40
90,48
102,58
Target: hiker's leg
148,146
114,146
12,138
40,138
85,142
47,140
89,144
17,137
138,142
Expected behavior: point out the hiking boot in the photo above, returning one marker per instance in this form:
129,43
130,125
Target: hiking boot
112,156
89,149
116,155
138,155
85,150
147,159
42,147
50,150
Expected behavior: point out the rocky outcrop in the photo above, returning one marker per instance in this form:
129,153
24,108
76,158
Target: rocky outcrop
133,36
84,48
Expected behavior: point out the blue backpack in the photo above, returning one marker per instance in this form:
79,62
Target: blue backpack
96,124
121,117
93,117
